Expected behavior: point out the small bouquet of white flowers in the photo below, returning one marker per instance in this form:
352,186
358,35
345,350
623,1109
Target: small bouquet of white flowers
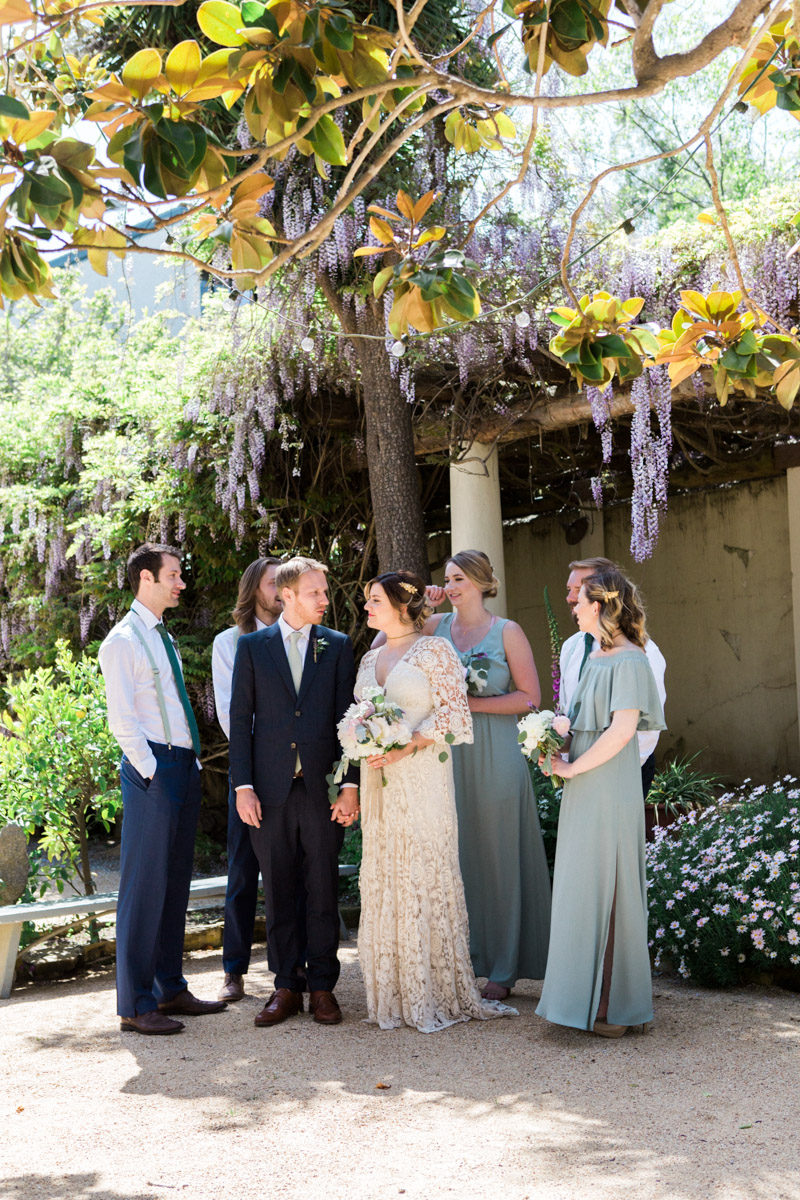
542,733
373,725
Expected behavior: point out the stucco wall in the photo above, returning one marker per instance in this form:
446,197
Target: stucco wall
719,604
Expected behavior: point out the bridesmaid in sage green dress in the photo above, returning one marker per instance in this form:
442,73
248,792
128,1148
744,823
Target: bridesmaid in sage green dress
501,852
598,973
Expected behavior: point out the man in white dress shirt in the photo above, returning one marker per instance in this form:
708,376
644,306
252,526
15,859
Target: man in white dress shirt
575,651
151,718
258,606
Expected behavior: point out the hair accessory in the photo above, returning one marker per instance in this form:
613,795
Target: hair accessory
609,596
408,587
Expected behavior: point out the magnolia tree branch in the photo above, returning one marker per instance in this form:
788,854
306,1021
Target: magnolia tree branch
703,133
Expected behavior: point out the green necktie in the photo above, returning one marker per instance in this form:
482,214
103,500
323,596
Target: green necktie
296,667
587,650
181,686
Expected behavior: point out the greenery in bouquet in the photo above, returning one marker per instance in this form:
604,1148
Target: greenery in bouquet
373,725
539,736
476,668
724,893
547,790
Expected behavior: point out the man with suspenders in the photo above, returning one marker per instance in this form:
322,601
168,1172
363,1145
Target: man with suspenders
258,606
151,718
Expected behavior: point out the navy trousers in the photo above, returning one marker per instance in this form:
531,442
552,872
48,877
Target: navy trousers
241,895
158,829
297,846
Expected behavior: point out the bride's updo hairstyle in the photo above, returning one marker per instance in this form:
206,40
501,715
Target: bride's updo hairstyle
404,589
620,606
478,570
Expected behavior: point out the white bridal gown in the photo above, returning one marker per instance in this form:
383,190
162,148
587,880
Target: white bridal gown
413,937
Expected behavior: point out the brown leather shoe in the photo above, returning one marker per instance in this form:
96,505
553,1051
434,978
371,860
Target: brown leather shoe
325,1008
150,1022
282,1004
188,1005
232,989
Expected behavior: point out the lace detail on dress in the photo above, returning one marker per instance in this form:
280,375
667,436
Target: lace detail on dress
413,936
444,670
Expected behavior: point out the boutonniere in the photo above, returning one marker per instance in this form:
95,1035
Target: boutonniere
319,647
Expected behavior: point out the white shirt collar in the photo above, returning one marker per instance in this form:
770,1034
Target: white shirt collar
287,630
260,624
150,619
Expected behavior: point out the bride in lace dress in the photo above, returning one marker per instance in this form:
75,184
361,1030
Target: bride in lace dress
413,935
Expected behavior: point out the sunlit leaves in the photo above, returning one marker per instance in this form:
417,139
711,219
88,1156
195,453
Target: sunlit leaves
572,28
23,271
12,11
430,287
709,331
599,341
771,77
471,132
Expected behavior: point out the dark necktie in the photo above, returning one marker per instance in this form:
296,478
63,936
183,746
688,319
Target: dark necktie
588,645
183,695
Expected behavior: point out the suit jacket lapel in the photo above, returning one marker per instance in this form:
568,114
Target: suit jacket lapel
278,652
310,665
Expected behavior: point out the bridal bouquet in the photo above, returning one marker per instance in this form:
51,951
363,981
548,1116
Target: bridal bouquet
374,725
542,733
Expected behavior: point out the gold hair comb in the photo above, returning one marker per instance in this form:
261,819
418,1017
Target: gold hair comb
408,587
609,596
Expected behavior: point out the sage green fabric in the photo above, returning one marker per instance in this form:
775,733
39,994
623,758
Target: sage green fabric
502,857
601,847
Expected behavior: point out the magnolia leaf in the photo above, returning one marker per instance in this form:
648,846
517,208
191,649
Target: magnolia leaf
381,280
383,212
434,234
221,22
328,141
28,130
381,231
422,206
364,251
98,260
182,66
12,11
405,205
10,107
141,71
787,382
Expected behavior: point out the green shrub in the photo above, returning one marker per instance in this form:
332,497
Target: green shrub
724,890
548,800
58,766
678,788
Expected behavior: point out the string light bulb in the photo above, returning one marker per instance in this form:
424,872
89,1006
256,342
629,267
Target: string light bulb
522,320
307,344
398,349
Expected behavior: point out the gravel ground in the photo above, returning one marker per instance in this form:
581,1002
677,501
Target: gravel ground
706,1105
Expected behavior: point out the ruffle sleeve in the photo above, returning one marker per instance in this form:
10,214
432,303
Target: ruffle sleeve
624,681
437,659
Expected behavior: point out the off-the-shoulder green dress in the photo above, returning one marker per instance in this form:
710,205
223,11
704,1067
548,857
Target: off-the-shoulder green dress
600,851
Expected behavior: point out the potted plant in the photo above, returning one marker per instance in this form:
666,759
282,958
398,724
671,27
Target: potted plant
678,788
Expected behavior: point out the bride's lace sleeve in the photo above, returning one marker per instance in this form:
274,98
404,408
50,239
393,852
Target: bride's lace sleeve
365,673
437,658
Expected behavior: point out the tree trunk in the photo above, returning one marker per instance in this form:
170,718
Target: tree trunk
394,482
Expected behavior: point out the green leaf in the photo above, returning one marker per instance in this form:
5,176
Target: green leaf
283,74
443,756
328,142
449,738
10,107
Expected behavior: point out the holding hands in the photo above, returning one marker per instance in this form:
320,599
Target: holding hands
345,810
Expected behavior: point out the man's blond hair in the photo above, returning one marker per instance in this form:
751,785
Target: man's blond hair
593,564
288,573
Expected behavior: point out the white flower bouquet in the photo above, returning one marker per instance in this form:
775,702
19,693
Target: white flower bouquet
542,733
373,725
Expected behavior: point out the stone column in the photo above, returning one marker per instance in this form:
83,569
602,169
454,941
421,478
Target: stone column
793,505
476,521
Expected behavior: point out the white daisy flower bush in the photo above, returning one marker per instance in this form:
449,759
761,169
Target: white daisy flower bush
724,892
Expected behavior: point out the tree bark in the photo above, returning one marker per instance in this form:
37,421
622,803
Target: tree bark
394,482
393,478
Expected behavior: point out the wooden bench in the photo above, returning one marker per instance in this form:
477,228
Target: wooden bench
12,916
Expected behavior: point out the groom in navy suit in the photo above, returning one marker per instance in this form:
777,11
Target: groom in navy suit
292,682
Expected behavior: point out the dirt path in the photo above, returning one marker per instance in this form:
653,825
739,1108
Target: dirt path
706,1105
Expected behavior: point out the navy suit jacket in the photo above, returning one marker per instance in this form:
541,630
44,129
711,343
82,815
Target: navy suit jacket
271,723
